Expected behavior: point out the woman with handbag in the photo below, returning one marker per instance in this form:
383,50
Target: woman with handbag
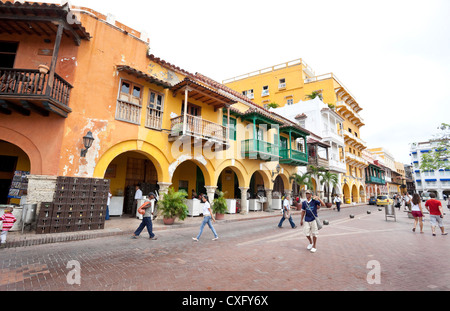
312,222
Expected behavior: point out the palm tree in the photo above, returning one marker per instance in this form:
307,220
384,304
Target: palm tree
316,172
329,179
314,95
302,180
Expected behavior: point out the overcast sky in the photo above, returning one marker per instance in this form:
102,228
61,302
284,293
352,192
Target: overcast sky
392,55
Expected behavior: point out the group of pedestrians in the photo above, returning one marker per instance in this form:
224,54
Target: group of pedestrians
434,207
308,216
150,212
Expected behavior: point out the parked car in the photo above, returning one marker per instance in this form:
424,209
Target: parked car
372,201
425,196
384,200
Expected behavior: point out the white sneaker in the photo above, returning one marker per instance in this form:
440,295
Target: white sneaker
309,246
215,238
195,239
313,250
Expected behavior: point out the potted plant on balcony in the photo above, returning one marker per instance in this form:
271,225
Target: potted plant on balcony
43,68
172,206
219,205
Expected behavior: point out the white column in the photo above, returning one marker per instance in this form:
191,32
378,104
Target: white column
210,191
244,205
186,91
163,189
269,199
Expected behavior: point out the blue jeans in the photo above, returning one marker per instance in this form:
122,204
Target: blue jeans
290,220
206,220
146,222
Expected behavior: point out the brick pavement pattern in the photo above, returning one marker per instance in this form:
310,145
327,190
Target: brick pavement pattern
250,255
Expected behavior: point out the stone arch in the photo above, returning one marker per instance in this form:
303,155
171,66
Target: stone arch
237,167
346,193
204,165
266,177
24,143
362,193
355,193
153,153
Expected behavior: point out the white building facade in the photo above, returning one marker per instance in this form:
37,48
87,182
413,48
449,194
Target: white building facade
323,122
437,181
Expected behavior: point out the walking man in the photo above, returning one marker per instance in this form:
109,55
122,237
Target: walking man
309,212
287,213
147,219
337,201
436,214
137,196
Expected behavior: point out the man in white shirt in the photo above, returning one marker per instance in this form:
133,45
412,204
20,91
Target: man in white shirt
286,213
137,196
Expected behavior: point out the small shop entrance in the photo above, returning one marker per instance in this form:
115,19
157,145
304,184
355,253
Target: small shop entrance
125,172
14,166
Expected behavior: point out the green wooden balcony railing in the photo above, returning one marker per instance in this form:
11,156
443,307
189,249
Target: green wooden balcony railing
293,157
257,149
375,180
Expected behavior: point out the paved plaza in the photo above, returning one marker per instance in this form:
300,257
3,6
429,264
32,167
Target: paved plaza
364,253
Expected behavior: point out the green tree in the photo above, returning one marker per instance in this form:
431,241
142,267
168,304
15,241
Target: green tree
330,179
314,95
438,157
273,105
303,180
173,204
219,205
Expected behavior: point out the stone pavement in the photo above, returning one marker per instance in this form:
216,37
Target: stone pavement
249,256
125,225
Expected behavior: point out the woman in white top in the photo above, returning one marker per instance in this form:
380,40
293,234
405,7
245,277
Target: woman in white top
207,216
417,213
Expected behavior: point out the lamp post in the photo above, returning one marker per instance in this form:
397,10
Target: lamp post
87,142
276,172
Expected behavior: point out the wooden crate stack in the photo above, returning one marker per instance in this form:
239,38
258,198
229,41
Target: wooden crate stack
79,204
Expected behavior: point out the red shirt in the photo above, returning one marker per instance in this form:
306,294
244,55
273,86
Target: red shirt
433,205
8,221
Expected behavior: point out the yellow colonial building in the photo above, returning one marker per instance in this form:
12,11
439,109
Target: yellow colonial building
152,122
294,81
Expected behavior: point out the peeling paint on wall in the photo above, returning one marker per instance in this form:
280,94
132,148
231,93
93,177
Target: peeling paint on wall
87,165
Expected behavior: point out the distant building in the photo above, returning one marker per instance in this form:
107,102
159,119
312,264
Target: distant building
437,181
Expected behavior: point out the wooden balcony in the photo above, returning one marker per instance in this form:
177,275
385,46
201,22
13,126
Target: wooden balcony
198,128
26,90
258,149
375,180
293,157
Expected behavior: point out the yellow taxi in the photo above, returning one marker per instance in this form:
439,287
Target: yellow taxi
384,200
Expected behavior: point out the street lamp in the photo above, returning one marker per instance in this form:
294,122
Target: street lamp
276,171
87,142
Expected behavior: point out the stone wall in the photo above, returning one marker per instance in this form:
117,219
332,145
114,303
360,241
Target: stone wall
41,188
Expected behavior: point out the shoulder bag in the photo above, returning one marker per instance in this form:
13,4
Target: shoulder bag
316,219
